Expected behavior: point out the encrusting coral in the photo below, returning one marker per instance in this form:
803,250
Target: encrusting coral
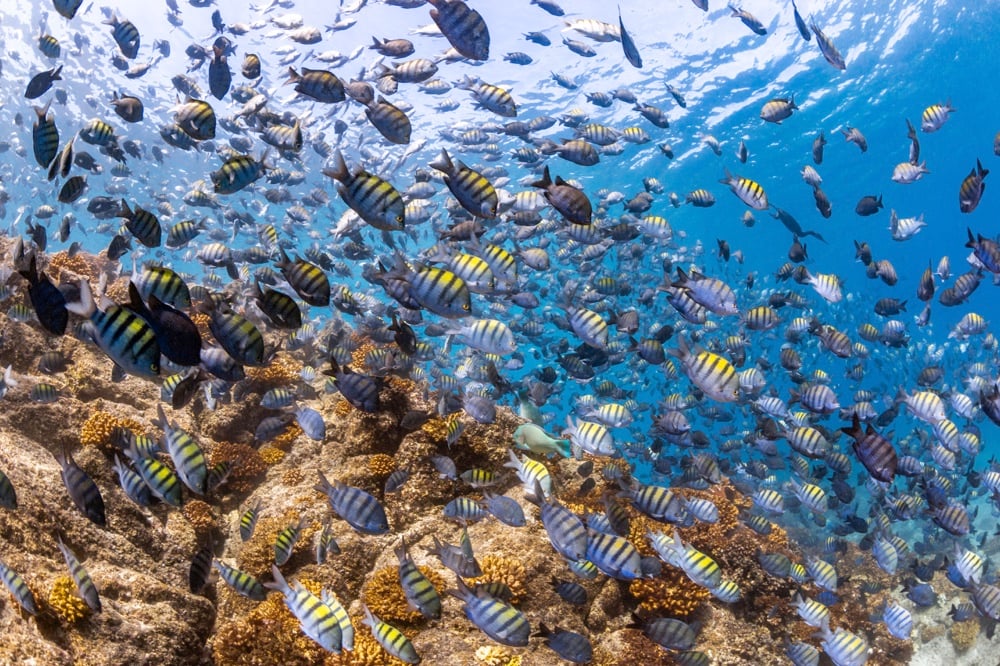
963,634
200,515
381,465
248,466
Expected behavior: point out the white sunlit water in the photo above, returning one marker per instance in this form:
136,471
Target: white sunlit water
901,57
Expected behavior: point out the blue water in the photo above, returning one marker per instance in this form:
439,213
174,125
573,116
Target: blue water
901,58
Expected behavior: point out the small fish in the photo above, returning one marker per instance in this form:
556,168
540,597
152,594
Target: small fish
628,46
82,490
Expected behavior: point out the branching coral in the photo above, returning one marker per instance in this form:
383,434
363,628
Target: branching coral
383,594
247,464
506,570
269,634
97,429
80,264
671,594
200,515
282,370
381,465
271,455
292,477
65,603
287,437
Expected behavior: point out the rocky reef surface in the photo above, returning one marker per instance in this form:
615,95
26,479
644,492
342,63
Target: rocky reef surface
140,561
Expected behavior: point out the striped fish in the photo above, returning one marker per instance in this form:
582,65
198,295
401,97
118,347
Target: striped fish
44,136
615,556
248,521
534,476
464,28
159,478
185,452
361,511
8,497
566,531
285,542
238,172
343,618
474,192
711,373
489,336
699,567
196,118
391,639
280,308
843,647
589,326
490,97
316,619
125,34
237,335
242,582
374,200
18,589
164,283
142,224
319,84
307,279
420,592
390,121
84,584
748,191
440,291
935,116
97,132
72,189
498,620
132,484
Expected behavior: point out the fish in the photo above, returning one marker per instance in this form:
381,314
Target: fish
41,82
389,637
749,20
500,621
464,28
316,618
628,46
827,48
970,192
82,490
361,511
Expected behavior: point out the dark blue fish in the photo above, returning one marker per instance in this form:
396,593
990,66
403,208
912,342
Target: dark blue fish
48,301
82,489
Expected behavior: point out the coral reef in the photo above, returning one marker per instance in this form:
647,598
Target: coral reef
200,515
384,596
248,466
506,570
381,465
494,655
65,603
271,455
671,594
963,634
97,429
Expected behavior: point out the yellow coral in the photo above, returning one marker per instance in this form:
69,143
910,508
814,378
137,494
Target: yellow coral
97,429
342,408
287,437
670,594
494,655
79,264
963,634
247,464
283,369
381,464
506,570
199,514
383,594
292,477
117,291
271,455
65,603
